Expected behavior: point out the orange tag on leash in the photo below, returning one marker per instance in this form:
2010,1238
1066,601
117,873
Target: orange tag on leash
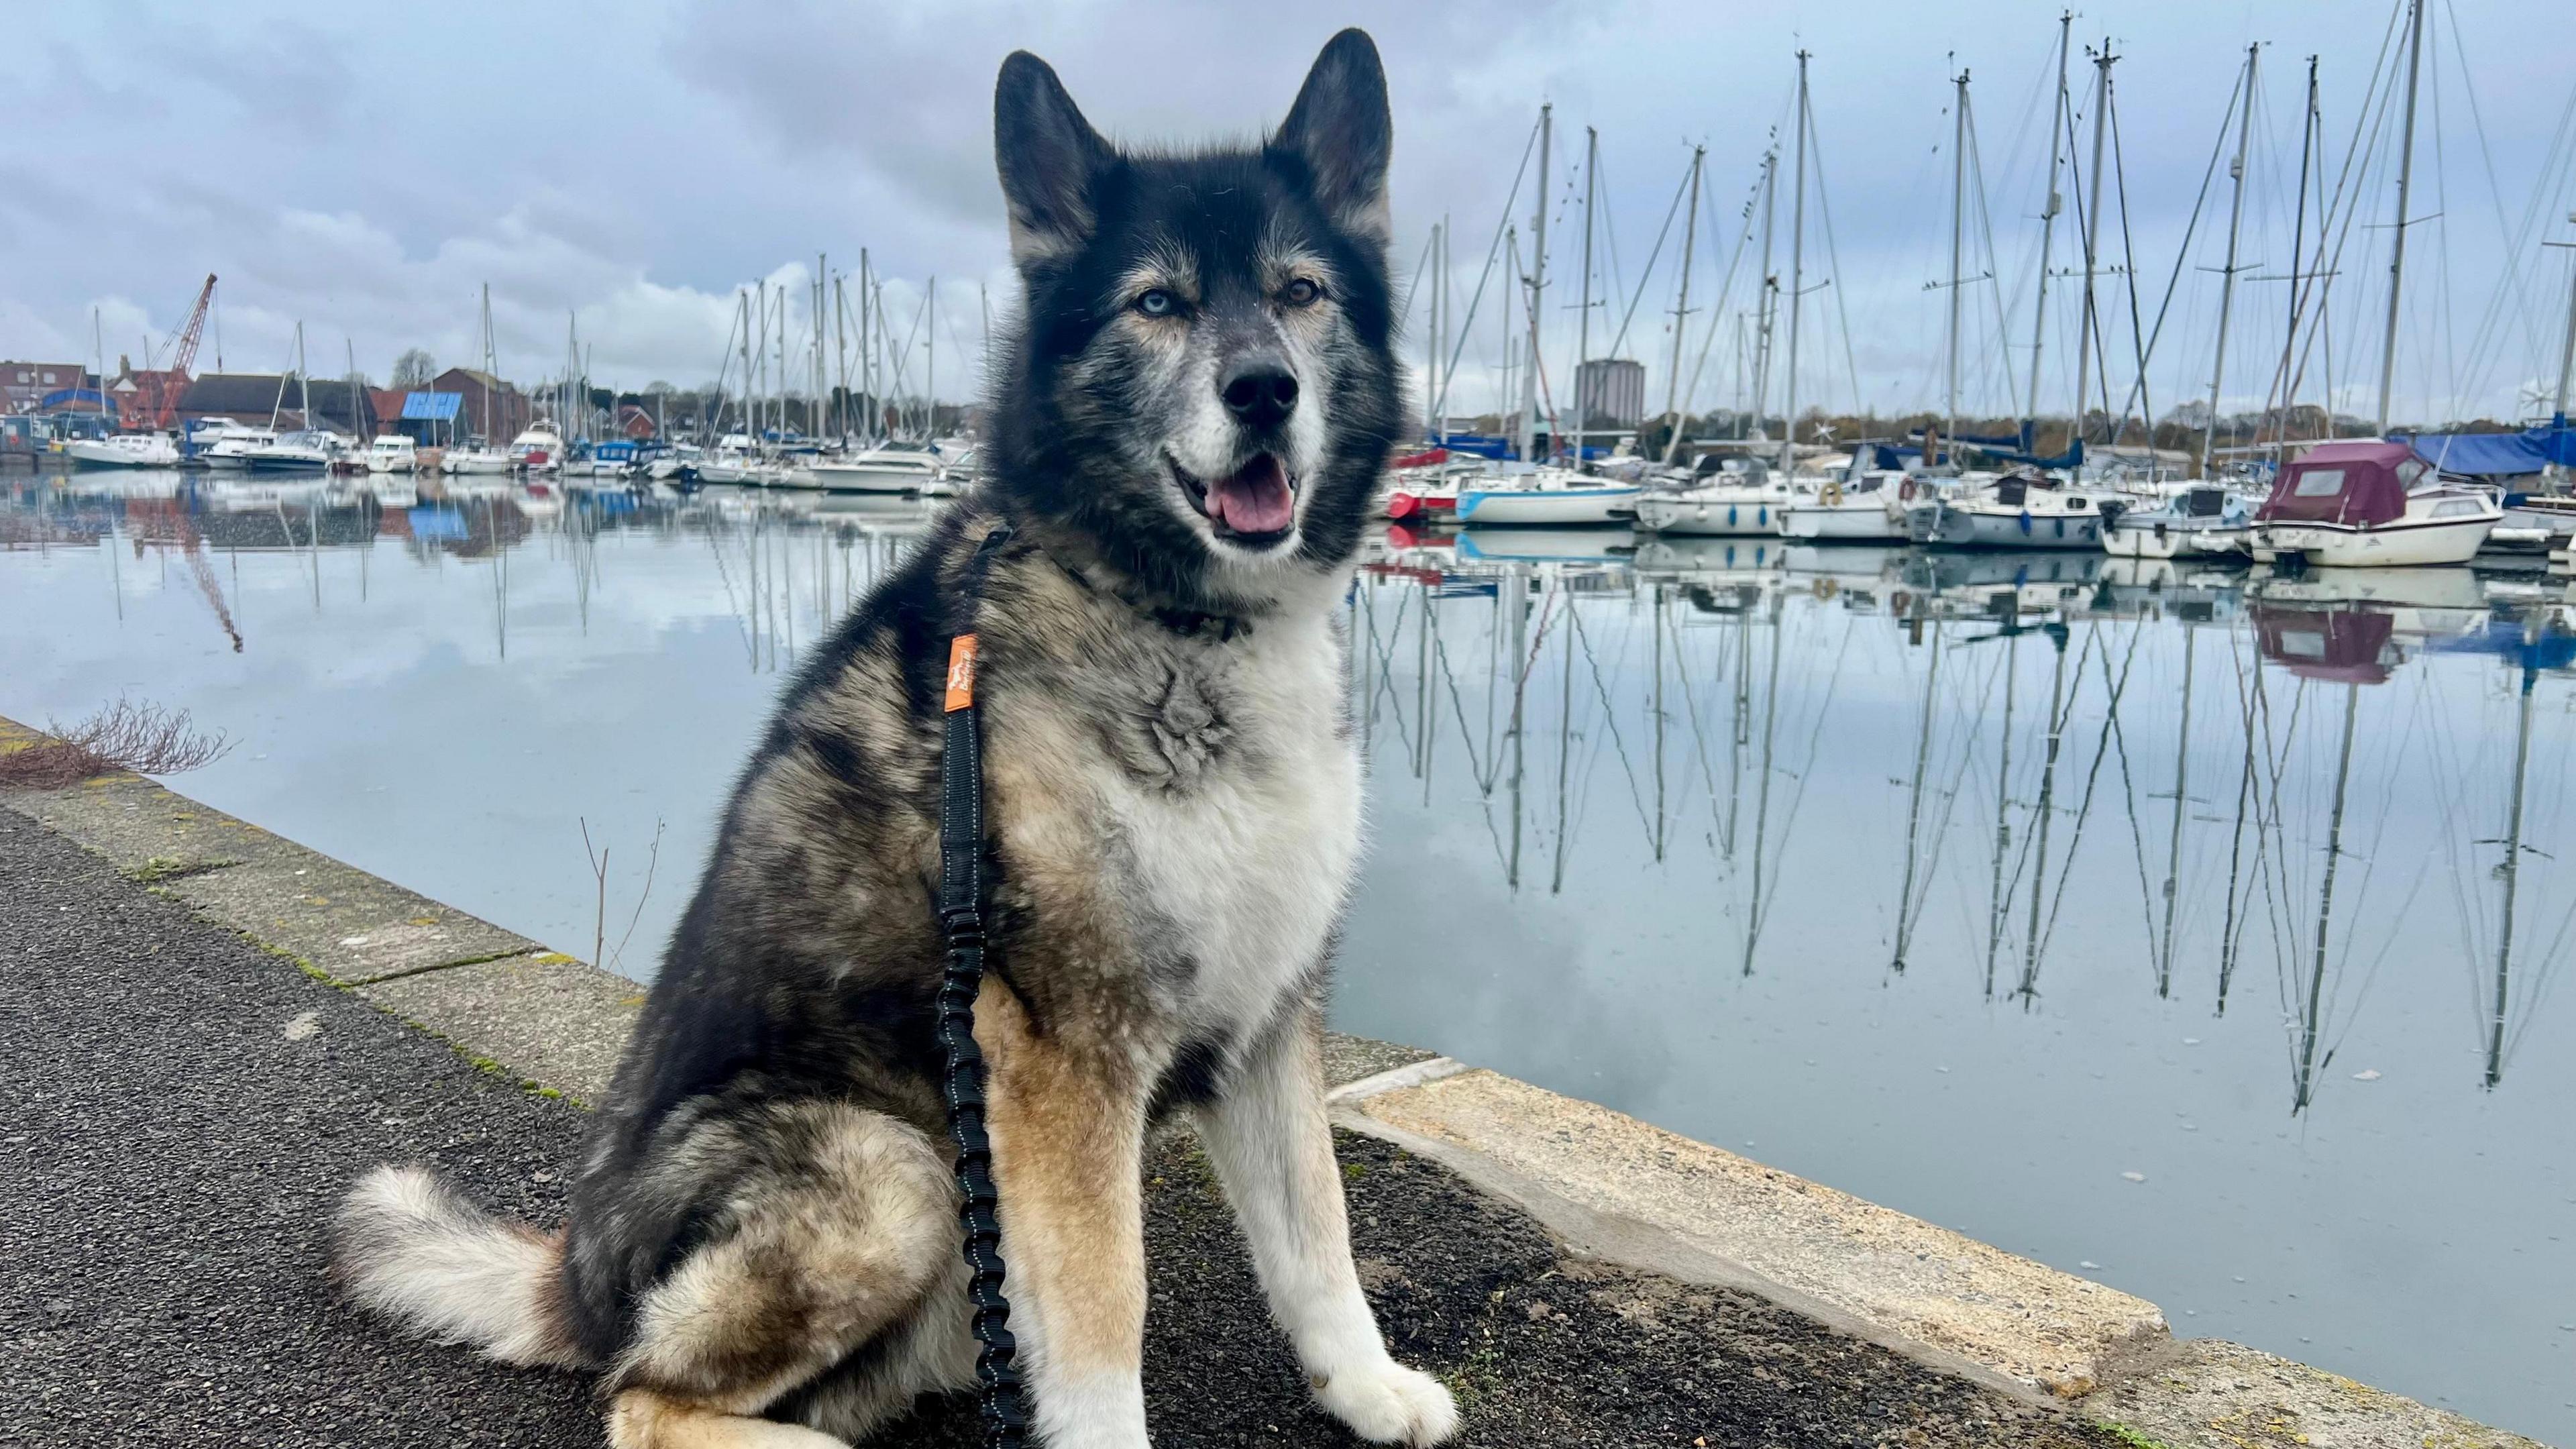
961,672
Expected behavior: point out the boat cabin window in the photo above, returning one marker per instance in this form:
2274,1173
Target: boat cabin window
2012,492
2409,471
2458,508
2319,483
2204,503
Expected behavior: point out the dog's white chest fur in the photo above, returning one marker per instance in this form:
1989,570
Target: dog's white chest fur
1249,863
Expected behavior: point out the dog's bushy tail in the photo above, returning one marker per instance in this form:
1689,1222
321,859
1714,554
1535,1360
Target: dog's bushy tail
407,1247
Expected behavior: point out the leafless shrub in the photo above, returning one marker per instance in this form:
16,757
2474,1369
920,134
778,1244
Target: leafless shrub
599,879
145,739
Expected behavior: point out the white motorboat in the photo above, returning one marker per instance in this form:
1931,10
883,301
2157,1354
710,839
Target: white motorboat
893,468
392,453
232,446
305,451
2204,519
2365,504
539,449
2016,511
1548,497
124,450
478,460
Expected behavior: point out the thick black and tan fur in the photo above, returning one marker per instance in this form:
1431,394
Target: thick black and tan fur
762,1248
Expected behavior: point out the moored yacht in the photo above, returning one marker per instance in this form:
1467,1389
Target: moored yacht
2018,510
2202,519
539,449
889,468
124,450
306,450
392,453
2368,504
1558,496
1866,507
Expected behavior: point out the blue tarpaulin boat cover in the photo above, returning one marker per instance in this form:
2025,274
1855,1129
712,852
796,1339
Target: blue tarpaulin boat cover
2498,455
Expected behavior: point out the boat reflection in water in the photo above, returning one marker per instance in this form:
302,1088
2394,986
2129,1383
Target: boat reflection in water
1966,882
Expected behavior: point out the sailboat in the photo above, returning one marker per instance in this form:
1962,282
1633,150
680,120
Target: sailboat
2206,519
1545,496
124,450
483,457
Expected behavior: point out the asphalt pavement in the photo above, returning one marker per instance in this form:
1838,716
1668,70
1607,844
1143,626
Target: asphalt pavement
179,1109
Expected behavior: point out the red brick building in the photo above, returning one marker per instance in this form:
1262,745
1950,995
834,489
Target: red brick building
492,408
25,385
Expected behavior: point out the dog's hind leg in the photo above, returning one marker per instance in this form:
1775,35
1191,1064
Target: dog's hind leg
1273,1150
834,1227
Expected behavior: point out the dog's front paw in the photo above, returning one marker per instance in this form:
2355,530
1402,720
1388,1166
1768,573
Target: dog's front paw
1387,1403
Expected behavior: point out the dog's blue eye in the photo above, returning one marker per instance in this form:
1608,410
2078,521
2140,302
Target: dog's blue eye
1156,303
1301,292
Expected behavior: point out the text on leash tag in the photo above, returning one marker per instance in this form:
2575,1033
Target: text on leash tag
961,672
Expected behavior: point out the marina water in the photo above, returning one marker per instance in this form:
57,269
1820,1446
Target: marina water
2151,923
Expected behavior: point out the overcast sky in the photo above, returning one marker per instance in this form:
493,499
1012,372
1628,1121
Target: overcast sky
367,172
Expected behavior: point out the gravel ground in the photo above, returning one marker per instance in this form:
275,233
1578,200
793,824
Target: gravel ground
183,1107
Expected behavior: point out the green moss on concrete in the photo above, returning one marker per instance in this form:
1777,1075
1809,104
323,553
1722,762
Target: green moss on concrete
2133,1438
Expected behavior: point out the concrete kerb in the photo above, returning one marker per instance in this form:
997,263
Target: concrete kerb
1608,1186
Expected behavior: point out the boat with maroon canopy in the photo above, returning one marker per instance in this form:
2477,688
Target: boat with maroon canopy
2371,504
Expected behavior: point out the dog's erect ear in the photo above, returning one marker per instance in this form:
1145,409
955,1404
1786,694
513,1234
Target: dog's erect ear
1048,155
1341,132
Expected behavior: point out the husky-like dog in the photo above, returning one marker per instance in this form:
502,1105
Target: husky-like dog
764,1246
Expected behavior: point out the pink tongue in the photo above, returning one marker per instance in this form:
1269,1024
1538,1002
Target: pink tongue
1255,500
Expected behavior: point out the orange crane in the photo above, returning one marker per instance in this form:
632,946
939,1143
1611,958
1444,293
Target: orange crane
163,391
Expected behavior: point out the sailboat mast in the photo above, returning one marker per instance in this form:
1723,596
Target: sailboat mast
1583,316
2405,182
2298,283
1767,308
1681,312
1448,305
2566,348
1797,284
1537,286
1431,343
2047,228
867,348
2091,322
1958,226
930,364
2227,278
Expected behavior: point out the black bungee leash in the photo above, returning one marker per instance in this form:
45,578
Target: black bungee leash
961,917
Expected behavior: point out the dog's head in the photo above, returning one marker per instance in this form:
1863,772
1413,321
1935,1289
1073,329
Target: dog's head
1202,384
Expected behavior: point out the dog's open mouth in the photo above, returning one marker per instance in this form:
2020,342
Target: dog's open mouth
1255,505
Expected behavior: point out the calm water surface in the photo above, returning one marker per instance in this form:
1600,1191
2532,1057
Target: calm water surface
2152,924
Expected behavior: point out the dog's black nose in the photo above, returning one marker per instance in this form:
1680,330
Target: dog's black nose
1260,393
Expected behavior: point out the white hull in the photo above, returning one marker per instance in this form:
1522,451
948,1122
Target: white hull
870,478
123,453
484,463
2401,544
1723,513
1868,522
1543,507
2168,543
1952,525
